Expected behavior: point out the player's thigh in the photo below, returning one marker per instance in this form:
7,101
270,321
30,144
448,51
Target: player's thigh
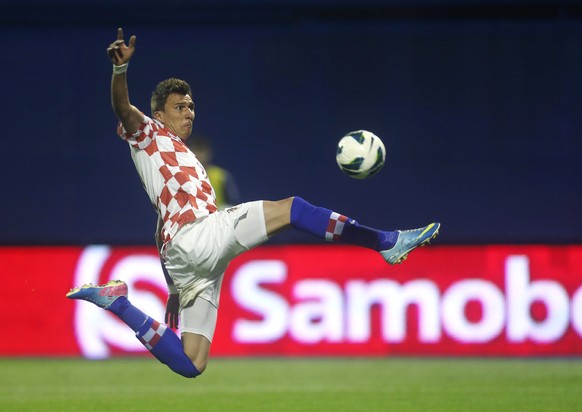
248,228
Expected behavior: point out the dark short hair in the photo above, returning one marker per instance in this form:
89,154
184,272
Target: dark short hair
164,89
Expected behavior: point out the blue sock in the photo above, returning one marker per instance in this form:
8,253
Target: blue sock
167,348
132,316
160,341
332,226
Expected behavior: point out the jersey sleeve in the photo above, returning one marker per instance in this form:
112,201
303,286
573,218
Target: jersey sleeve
143,136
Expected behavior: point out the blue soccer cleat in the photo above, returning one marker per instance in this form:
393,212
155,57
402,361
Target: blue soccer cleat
103,295
408,240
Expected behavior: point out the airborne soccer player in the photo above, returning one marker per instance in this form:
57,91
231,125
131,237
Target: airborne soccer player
195,240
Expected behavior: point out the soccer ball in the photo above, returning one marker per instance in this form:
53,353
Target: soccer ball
360,154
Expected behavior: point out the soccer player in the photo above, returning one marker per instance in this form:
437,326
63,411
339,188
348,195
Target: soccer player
196,241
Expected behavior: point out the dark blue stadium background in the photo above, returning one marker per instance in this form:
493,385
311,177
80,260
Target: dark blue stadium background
479,104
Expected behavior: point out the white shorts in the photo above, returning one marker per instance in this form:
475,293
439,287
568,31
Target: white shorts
199,318
198,255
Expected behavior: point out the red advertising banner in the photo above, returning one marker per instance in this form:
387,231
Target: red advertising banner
311,301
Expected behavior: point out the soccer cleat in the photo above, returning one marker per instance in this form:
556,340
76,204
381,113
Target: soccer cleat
103,295
408,240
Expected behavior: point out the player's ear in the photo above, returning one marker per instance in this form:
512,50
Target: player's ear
159,115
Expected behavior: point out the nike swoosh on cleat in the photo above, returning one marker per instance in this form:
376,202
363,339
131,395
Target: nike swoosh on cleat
429,227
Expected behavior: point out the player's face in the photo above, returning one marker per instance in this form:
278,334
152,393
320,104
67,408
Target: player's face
178,115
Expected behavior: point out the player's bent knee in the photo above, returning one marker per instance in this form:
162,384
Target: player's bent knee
198,356
196,346
190,371
200,362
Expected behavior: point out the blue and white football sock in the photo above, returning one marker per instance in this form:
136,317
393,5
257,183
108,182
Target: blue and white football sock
156,337
333,227
167,347
132,316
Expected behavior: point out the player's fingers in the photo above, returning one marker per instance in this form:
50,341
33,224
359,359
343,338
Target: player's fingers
115,48
118,53
111,53
112,47
115,44
132,41
120,34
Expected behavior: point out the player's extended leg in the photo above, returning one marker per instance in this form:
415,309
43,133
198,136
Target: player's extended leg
156,337
327,224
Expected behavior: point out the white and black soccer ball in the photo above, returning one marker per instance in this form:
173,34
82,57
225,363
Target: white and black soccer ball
360,154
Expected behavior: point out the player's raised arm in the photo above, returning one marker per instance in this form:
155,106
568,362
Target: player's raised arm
120,54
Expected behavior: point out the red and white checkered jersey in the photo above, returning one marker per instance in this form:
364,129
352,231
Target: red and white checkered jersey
173,177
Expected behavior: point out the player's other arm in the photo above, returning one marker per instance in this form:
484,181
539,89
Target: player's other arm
120,54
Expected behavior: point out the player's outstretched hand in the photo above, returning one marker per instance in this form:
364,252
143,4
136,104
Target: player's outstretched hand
172,309
118,51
